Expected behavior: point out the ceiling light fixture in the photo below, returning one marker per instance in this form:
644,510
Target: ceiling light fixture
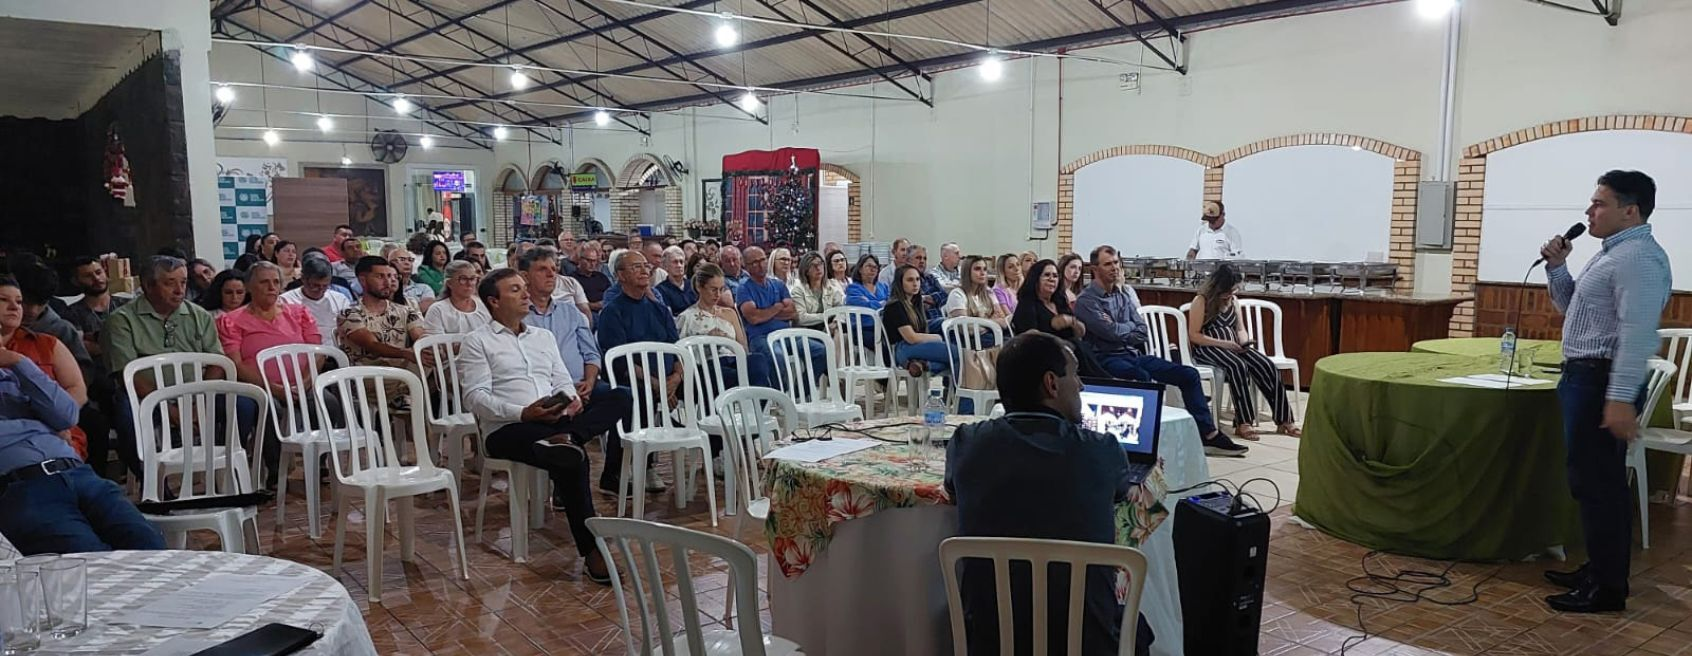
750,102
346,161
1435,9
325,123
992,67
224,94
403,105
519,80
500,133
271,138
426,142
302,60
727,34
602,118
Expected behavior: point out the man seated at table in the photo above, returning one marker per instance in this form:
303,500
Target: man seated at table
569,329
1036,473
512,371
50,501
1117,333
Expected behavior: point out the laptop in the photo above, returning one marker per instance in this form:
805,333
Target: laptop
1130,411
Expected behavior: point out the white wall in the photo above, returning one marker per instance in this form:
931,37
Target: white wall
1281,213
186,27
1136,204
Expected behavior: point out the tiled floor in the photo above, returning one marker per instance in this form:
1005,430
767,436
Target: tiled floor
546,606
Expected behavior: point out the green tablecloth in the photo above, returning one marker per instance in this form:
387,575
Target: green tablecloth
1393,459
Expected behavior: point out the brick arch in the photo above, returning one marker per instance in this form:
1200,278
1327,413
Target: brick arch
637,166
1406,172
627,188
505,173
588,164
1471,189
854,200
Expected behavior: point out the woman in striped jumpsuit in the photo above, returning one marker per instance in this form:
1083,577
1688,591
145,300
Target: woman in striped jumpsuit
1220,340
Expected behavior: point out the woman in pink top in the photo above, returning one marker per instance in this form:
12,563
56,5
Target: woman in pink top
264,322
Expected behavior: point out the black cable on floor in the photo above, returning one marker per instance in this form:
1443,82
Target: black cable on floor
1404,586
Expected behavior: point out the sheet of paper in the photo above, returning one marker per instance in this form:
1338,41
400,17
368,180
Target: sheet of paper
210,602
820,450
182,645
1490,383
1512,380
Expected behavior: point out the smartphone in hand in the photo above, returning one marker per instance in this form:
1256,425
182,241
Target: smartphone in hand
557,399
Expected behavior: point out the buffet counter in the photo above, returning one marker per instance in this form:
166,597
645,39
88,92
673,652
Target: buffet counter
1321,323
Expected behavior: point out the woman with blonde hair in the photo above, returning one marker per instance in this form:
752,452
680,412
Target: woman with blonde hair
781,265
1010,271
972,298
813,293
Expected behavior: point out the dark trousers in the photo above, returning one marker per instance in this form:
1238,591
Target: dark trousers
1597,469
1183,377
605,401
72,512
98,427
246,416
519,442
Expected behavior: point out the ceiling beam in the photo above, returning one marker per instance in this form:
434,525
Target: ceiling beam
1135,32
435,31
1162,24
849,55
327,20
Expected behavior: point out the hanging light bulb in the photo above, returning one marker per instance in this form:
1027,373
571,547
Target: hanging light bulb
271,138
500,133
992,67
302,60
403,105
1435,9
602,118
346,161
224,94
749,101
519,80
325,123
727,34
426,142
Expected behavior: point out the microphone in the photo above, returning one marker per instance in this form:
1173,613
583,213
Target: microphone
1574,231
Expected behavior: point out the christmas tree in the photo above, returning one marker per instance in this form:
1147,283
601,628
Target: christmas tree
792,211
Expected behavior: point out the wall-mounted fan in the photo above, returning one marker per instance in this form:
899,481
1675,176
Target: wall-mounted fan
388,146
219,110
675,166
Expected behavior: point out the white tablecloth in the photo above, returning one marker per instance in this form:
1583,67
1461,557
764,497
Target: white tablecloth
878,588
122,580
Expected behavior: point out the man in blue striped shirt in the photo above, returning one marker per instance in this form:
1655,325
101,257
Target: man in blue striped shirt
1609,330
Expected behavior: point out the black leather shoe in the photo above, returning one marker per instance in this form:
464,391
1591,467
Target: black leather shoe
1570,579
1589,598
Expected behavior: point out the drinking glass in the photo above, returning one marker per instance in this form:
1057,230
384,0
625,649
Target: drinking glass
32,565
20,610
916,441
64,582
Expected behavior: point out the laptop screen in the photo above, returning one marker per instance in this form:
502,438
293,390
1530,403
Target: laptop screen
1130,413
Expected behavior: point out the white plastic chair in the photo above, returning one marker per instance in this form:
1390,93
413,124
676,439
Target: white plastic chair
1173,344
653,427
449,421
376,466
1678,350
1261,318
299,429
812,391
638,541
969,335
1040,554
1656,380
212,462
861,357
526,492
708,355
169,369
746,412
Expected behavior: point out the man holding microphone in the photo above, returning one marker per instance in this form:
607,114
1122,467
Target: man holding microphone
1610,317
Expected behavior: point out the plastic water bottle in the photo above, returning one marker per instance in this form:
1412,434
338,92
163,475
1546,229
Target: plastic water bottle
934,416
1507,351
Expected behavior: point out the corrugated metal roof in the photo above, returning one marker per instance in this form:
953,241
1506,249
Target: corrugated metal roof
602,36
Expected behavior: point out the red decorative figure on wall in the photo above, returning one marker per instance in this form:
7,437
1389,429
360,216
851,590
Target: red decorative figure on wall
116,168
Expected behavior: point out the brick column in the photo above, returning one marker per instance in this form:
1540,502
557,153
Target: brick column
1402,249
1465,241
1213,183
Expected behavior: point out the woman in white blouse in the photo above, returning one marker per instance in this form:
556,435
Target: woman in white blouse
973,298
708,317
460,312
813,293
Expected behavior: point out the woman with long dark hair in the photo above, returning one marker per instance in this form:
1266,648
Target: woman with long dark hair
288,260
227,293
1220,339
865,290
432,272
838,272
1041,306
1069,272
267,246
914,347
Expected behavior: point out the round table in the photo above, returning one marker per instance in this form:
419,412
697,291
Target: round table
121,581
832,523
1532,351
1394,459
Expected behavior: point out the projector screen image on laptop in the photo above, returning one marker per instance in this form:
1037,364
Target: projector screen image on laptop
1129,414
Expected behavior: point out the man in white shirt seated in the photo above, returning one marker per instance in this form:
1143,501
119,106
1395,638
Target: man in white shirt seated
314,293
1216,240
517,385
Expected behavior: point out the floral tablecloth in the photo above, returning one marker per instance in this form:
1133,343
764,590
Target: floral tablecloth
808,499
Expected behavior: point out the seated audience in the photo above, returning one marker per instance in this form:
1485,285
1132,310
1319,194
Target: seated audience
433,271
200,275
265,321
947,271
378,332
896,257
1036,473
1010,280
839,270
1217,331
1069,277
352,250
707,316
591,277
568,247
933,293
781,265
478,253
268,246
813,293
288,257
729,259
333,248
516,382
575,343
411,291
972,298
1028,258
50,500
712,251
915,348
89,314
37,284
1117,336
635,316
1041,306
49,355
675,289
466,239
226,293
315,295
160,321
766,306
460,312
689,248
